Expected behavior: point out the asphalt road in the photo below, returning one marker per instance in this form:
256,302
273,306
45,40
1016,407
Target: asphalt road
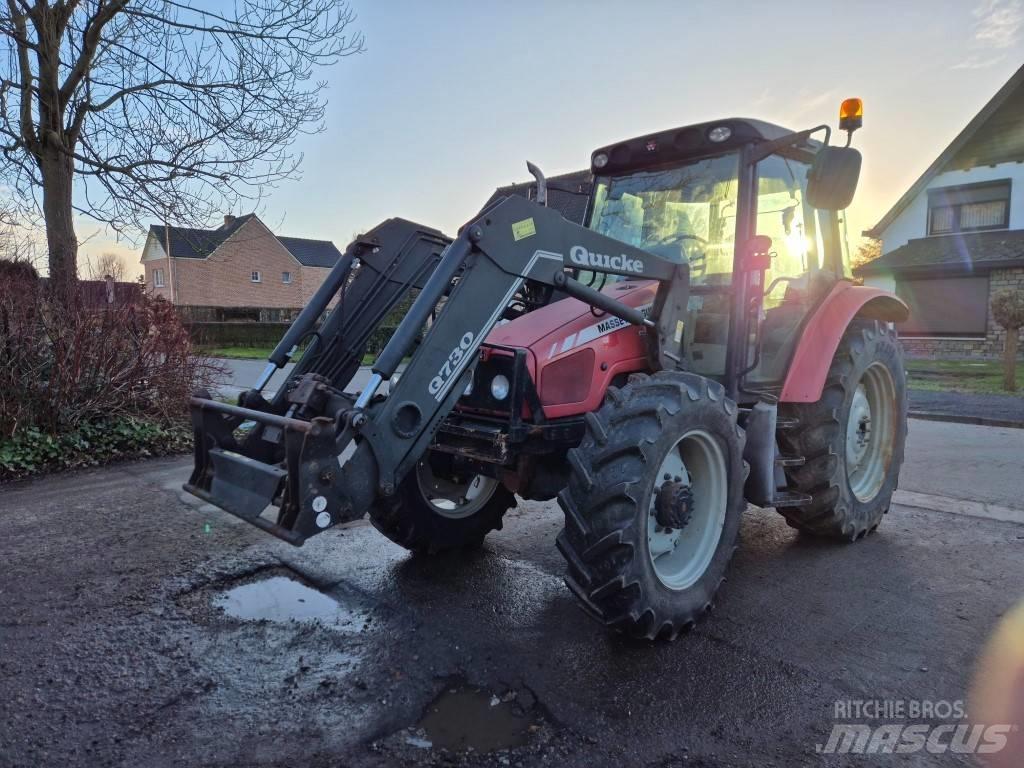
242,374
115,650
989,408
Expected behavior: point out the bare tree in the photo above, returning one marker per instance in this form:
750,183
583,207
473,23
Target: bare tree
1008,311
123,110
108,264
869,250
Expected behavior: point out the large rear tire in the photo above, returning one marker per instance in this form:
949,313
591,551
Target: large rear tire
852,439
653,505
438,508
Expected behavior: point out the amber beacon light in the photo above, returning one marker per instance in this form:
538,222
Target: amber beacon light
851,114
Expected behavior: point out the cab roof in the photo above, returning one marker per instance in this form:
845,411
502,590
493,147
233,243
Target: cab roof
677,144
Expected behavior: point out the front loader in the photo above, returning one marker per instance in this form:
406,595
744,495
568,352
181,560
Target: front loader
702,347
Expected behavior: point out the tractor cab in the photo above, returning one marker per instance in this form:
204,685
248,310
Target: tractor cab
699,196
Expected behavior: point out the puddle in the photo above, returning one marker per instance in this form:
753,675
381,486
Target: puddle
464,717
281,599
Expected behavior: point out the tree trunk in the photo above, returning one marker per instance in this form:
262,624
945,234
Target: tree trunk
57,171
1010,360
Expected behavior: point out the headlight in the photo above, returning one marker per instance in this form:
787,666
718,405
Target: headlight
719,133
499,387
600,160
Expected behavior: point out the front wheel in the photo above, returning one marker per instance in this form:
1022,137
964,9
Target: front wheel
439,506
852,438
653,505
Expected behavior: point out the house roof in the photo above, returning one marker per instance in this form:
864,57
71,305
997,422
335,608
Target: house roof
312,253
189,243
975,251
567,193
950,153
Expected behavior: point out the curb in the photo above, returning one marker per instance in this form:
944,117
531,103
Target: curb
950,505
954,418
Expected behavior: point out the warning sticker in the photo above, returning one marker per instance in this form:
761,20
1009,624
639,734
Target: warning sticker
524,228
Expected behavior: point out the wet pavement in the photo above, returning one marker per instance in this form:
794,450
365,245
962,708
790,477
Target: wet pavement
140,628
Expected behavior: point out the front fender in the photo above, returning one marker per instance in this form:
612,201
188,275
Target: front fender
817,346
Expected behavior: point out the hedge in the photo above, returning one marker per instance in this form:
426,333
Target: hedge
32,451
236,334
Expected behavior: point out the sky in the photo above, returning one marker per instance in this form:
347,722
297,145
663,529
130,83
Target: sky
451,98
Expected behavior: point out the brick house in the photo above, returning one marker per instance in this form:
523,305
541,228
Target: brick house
956,237
241,264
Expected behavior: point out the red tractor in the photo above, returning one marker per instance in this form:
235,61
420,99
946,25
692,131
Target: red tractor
696,347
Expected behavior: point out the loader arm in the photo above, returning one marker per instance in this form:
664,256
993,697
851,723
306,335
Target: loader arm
351,451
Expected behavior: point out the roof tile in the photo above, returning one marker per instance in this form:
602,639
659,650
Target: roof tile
972,251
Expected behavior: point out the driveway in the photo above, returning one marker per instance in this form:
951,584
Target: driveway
140,628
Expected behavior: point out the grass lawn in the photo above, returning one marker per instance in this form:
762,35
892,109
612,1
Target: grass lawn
238,353
255,353
984,376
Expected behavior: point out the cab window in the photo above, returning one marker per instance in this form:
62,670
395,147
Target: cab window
686,214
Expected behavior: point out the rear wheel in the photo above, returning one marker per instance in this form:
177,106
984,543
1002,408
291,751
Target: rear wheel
439,506
653,505
852,438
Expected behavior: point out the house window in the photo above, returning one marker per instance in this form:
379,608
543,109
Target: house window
970,208
286,278
945,306
256,277
158,278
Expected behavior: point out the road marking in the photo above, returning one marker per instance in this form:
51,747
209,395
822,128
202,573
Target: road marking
958,506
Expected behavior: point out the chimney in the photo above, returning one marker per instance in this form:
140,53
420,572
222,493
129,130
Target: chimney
228,220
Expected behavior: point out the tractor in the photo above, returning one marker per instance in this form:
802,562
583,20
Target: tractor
697,345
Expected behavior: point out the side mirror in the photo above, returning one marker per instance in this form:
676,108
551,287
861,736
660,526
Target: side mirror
758,253
832,179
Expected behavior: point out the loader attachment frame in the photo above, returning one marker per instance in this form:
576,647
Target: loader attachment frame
240,470
345,453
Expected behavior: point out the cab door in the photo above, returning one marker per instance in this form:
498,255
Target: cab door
795,280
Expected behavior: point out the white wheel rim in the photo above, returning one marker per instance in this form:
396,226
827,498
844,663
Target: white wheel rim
871,432
451,499
681,556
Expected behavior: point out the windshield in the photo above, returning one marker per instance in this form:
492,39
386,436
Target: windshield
685,214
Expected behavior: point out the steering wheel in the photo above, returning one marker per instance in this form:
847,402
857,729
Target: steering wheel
678,236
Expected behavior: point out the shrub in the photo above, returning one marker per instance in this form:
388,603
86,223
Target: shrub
85,362
32,451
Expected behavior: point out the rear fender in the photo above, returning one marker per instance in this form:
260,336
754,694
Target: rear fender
817,346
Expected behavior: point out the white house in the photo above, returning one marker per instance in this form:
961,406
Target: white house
957,235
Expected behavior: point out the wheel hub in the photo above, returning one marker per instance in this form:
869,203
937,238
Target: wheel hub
858,437
674,504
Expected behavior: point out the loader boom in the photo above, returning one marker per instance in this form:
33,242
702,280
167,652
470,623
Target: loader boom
497,262
346,452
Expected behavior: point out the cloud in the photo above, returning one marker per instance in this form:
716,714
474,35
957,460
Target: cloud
998,26
999,23
976,61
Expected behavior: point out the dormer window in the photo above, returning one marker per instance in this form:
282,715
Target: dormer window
969,208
